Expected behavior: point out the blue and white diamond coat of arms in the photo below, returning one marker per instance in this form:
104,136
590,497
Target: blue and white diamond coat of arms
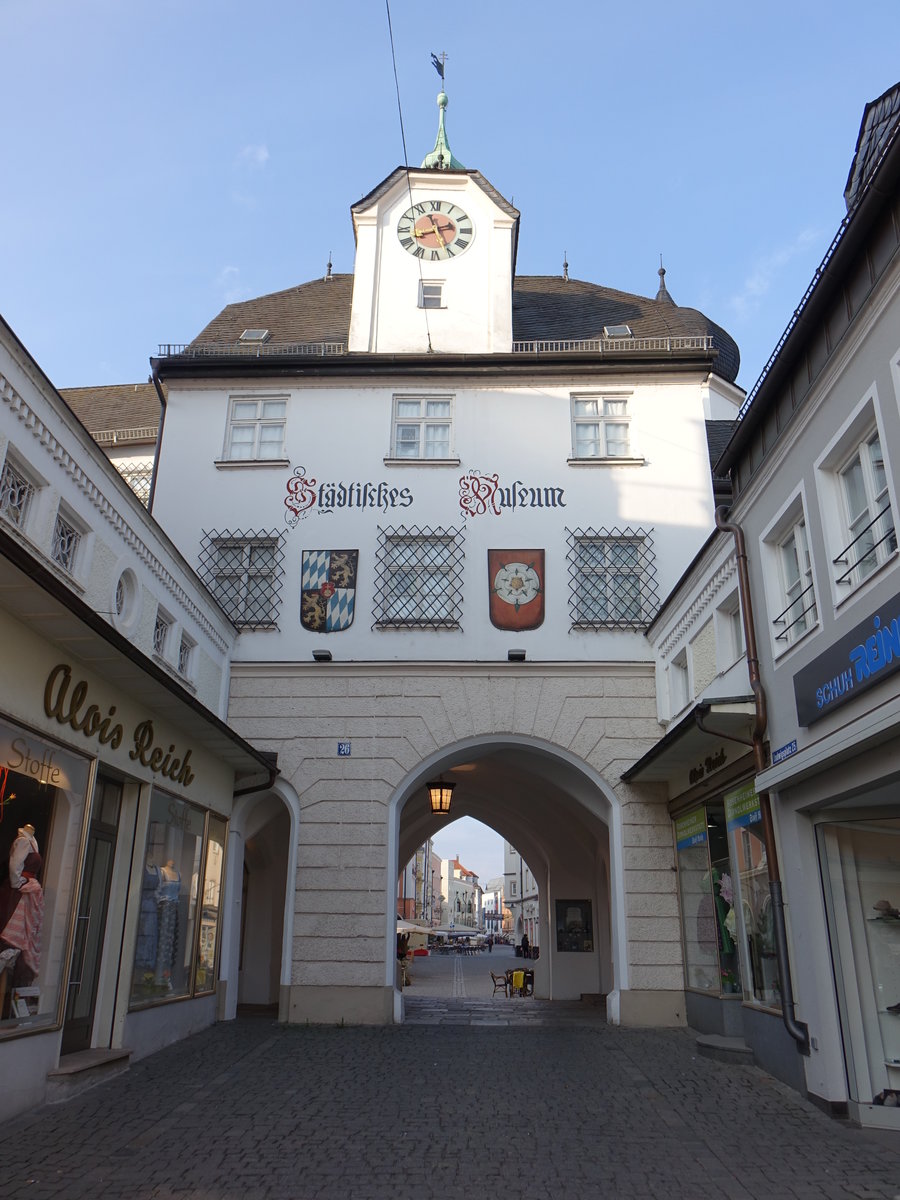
328,590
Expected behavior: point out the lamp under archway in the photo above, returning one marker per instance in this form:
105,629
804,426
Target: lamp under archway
440,794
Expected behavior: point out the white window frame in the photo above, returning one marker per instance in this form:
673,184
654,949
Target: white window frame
431,293
414,433
850,567
252,423
792,594
680,694
598,421
730,645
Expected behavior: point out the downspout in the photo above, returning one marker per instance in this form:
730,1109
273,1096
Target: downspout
154,379
797,1029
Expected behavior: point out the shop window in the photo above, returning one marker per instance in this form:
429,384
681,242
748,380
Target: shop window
42,803
178,924
706,894
861,871
752,900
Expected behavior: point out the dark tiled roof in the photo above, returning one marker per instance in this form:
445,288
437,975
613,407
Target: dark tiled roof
119,407
878,122
313,312
545,307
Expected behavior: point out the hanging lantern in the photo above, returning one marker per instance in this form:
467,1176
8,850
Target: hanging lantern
439,793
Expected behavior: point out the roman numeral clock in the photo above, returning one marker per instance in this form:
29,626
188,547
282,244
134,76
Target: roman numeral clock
435,230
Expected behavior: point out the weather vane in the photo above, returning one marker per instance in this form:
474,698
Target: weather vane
439,62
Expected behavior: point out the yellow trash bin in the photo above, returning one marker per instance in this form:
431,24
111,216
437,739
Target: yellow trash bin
518,983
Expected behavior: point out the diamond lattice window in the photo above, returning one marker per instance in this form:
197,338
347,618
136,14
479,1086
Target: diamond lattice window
244,571
419,578
137,475
612,578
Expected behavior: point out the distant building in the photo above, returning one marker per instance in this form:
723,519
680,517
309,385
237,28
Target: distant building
462,907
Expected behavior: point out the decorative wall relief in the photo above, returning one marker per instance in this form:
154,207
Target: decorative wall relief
328,590
516,585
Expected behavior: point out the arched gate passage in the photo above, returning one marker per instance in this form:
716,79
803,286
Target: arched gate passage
566,823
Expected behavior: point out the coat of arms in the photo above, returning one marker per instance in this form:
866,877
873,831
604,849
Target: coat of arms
516,583
328,590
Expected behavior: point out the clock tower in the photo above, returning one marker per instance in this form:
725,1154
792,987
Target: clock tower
435,260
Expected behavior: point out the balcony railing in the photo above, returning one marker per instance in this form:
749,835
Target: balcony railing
631,345
782,619
868,560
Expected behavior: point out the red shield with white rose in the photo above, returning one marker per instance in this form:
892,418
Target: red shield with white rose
516,588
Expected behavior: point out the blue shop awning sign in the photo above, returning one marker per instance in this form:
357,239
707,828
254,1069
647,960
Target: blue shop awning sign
742,807
859,660
690,829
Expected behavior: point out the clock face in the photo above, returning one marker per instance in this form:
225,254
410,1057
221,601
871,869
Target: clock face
517,584
435,229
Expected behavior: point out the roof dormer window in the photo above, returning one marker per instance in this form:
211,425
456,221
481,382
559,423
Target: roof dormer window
617,331
254,336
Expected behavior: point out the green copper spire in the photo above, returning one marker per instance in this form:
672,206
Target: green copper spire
441,158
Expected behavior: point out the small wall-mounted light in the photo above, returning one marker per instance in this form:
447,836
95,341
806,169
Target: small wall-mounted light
322,655
440,793
516,655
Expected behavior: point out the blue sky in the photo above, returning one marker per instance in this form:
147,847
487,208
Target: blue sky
168,158
164,159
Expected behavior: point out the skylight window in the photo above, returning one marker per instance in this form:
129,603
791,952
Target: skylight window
617,331
254,335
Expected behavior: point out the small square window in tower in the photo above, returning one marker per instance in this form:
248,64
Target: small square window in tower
431,293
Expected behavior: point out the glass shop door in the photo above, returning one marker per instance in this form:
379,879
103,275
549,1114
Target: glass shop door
90,925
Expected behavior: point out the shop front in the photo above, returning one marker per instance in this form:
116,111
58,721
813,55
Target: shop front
114,823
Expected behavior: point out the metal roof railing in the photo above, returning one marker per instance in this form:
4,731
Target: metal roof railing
703,343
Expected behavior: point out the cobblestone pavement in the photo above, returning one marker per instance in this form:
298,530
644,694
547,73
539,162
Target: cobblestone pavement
546,1107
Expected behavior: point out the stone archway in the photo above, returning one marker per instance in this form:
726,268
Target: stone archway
255,967
564,820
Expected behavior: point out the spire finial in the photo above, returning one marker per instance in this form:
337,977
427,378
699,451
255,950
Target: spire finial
565,265
441,157
663,293
328,269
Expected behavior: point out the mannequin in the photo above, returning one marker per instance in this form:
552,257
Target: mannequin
25,844
23,929
167,895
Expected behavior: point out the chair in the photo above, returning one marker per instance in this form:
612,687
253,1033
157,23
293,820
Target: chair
500,984
529,983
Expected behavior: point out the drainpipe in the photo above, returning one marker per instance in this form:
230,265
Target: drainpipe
797,1029
154,379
